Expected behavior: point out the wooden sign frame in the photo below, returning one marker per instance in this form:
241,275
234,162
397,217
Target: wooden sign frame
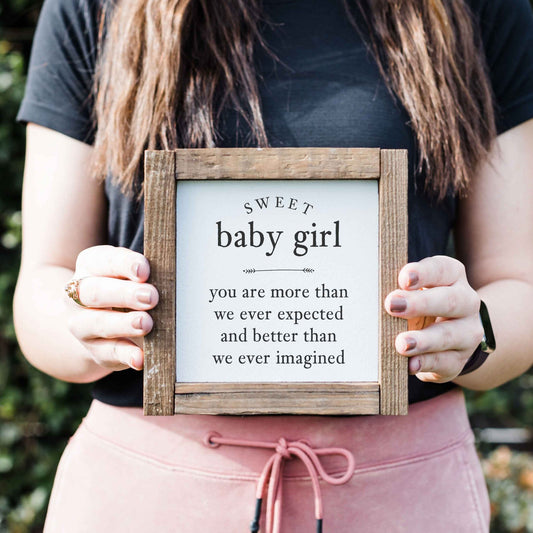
163,169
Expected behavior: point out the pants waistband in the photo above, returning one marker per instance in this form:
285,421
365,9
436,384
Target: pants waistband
430,427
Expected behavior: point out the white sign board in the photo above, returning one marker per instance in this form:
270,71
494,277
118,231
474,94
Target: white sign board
277,281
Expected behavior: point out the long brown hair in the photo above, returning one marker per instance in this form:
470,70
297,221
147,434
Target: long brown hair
167,68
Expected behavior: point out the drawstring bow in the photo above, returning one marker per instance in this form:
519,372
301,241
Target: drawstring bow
272,474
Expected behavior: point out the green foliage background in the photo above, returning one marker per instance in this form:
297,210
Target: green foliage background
38,413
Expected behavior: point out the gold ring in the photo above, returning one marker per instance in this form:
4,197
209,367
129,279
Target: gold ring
72,288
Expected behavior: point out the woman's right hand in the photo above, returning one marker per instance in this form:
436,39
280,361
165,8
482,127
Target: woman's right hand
113,279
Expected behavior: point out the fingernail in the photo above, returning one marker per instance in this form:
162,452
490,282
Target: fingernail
138,322
139,270
398,304
144,296
415,364
409,344
136,363
413,279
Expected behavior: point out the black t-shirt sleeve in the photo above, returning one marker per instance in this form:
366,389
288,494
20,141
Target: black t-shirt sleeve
507,34
59,88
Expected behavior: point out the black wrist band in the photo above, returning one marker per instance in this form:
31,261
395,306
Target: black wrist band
486,346
474,361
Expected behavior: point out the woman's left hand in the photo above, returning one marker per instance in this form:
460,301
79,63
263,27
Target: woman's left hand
439,351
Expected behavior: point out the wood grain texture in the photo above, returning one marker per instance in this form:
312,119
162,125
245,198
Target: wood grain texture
278,163
160,250
277,398
162,396
393,255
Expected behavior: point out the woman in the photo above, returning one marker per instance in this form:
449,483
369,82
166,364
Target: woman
440,78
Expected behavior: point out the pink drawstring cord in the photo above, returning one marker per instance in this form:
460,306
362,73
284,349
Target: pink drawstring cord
273,473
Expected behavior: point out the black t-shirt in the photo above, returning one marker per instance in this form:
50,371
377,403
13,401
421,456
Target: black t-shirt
325,90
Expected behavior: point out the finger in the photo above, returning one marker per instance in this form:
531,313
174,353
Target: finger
98,292
101,324
435,271
116,354
451,302
432,377
438,367
114,262
459,334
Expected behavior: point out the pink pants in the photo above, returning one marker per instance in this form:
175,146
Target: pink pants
123,472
